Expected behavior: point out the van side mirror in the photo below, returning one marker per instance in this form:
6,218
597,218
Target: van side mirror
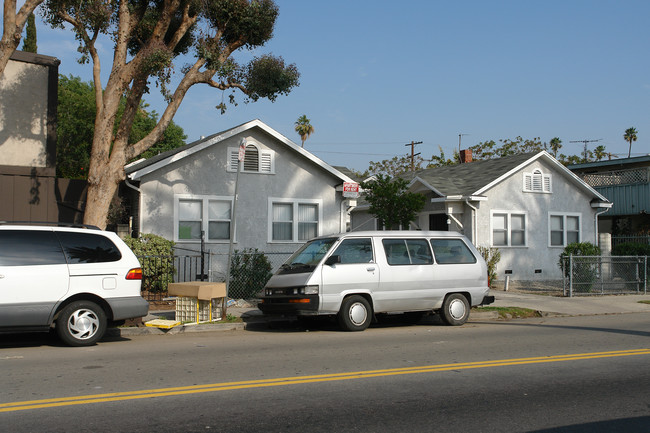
332,260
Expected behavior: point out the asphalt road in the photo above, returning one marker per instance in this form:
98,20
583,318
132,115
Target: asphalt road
589,373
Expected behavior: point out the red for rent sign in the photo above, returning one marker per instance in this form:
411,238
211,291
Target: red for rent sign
350,189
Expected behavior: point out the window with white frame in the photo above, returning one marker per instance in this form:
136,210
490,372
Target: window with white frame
256,160
564,229
294,220
537,181
508,229
210,214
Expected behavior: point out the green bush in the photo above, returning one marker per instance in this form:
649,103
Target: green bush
156,256
249,272
631,249
584,273
492,256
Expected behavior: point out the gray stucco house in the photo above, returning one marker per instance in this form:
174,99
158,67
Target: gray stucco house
286,195
529,206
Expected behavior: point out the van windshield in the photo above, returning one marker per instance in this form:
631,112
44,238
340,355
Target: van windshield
307,256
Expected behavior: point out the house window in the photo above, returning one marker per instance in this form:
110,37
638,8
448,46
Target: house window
208,214
537,181
294,220
564,229
508,229
256,160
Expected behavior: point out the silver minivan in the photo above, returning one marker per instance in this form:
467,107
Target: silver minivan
359,275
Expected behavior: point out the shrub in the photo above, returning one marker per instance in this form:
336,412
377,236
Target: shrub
492,256
631,249
249,272
584,273
156,256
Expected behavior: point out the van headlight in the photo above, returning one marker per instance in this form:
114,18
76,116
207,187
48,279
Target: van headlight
309,290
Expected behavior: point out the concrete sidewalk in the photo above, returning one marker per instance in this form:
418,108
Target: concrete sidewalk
546,305
575,306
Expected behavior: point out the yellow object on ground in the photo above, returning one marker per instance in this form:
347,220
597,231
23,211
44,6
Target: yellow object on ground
162,323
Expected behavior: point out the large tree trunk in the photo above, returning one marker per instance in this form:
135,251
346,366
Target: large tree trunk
100,194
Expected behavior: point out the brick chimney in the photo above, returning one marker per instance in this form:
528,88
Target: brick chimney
465,156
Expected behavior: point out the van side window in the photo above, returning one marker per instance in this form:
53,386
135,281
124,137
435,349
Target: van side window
88,248
407,252
30,248
355,251
452,251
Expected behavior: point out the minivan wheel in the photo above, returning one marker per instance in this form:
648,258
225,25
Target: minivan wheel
82,323
455,309
355,313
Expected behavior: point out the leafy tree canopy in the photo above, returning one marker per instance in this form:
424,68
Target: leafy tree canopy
390,201
76,122
148,36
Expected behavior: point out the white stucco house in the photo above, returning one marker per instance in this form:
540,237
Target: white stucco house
286,195
528,206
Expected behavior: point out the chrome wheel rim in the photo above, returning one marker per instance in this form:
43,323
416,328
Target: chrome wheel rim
358,314
83,324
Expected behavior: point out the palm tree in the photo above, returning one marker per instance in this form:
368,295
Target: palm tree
555,145
304,128
600,152
630,136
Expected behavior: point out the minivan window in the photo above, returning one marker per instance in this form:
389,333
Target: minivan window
355,251
88,248
29,248
407,252
452,251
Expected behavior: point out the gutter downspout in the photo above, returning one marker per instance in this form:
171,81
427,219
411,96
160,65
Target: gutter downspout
596,224
474,228
139,191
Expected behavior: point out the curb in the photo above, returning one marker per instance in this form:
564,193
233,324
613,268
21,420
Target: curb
238,326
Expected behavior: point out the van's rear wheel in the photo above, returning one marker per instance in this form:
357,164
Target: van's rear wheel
355,313
455,309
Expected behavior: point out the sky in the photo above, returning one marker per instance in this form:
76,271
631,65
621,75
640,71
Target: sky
377,75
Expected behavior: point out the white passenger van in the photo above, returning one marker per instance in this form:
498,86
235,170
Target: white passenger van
359,275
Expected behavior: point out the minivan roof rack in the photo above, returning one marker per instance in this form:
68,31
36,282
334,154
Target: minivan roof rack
50,223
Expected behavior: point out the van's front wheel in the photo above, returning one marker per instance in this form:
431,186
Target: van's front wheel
455,309
355,313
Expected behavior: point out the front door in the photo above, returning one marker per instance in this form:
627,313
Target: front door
357,272
438,221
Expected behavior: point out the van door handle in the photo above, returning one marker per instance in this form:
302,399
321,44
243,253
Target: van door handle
370,269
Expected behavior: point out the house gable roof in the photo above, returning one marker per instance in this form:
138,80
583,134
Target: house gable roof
138,169
475,178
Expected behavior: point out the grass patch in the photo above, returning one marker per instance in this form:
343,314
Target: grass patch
511,312
644,302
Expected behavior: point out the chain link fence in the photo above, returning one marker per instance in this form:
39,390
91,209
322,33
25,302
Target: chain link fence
605,275
249,272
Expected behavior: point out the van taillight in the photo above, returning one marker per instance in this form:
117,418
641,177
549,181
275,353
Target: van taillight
134,274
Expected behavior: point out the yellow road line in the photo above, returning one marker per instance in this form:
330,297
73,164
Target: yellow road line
284,381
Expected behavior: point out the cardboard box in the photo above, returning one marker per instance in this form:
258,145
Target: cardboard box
203,290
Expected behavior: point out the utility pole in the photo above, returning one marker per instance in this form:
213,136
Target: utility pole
413,154
584,152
